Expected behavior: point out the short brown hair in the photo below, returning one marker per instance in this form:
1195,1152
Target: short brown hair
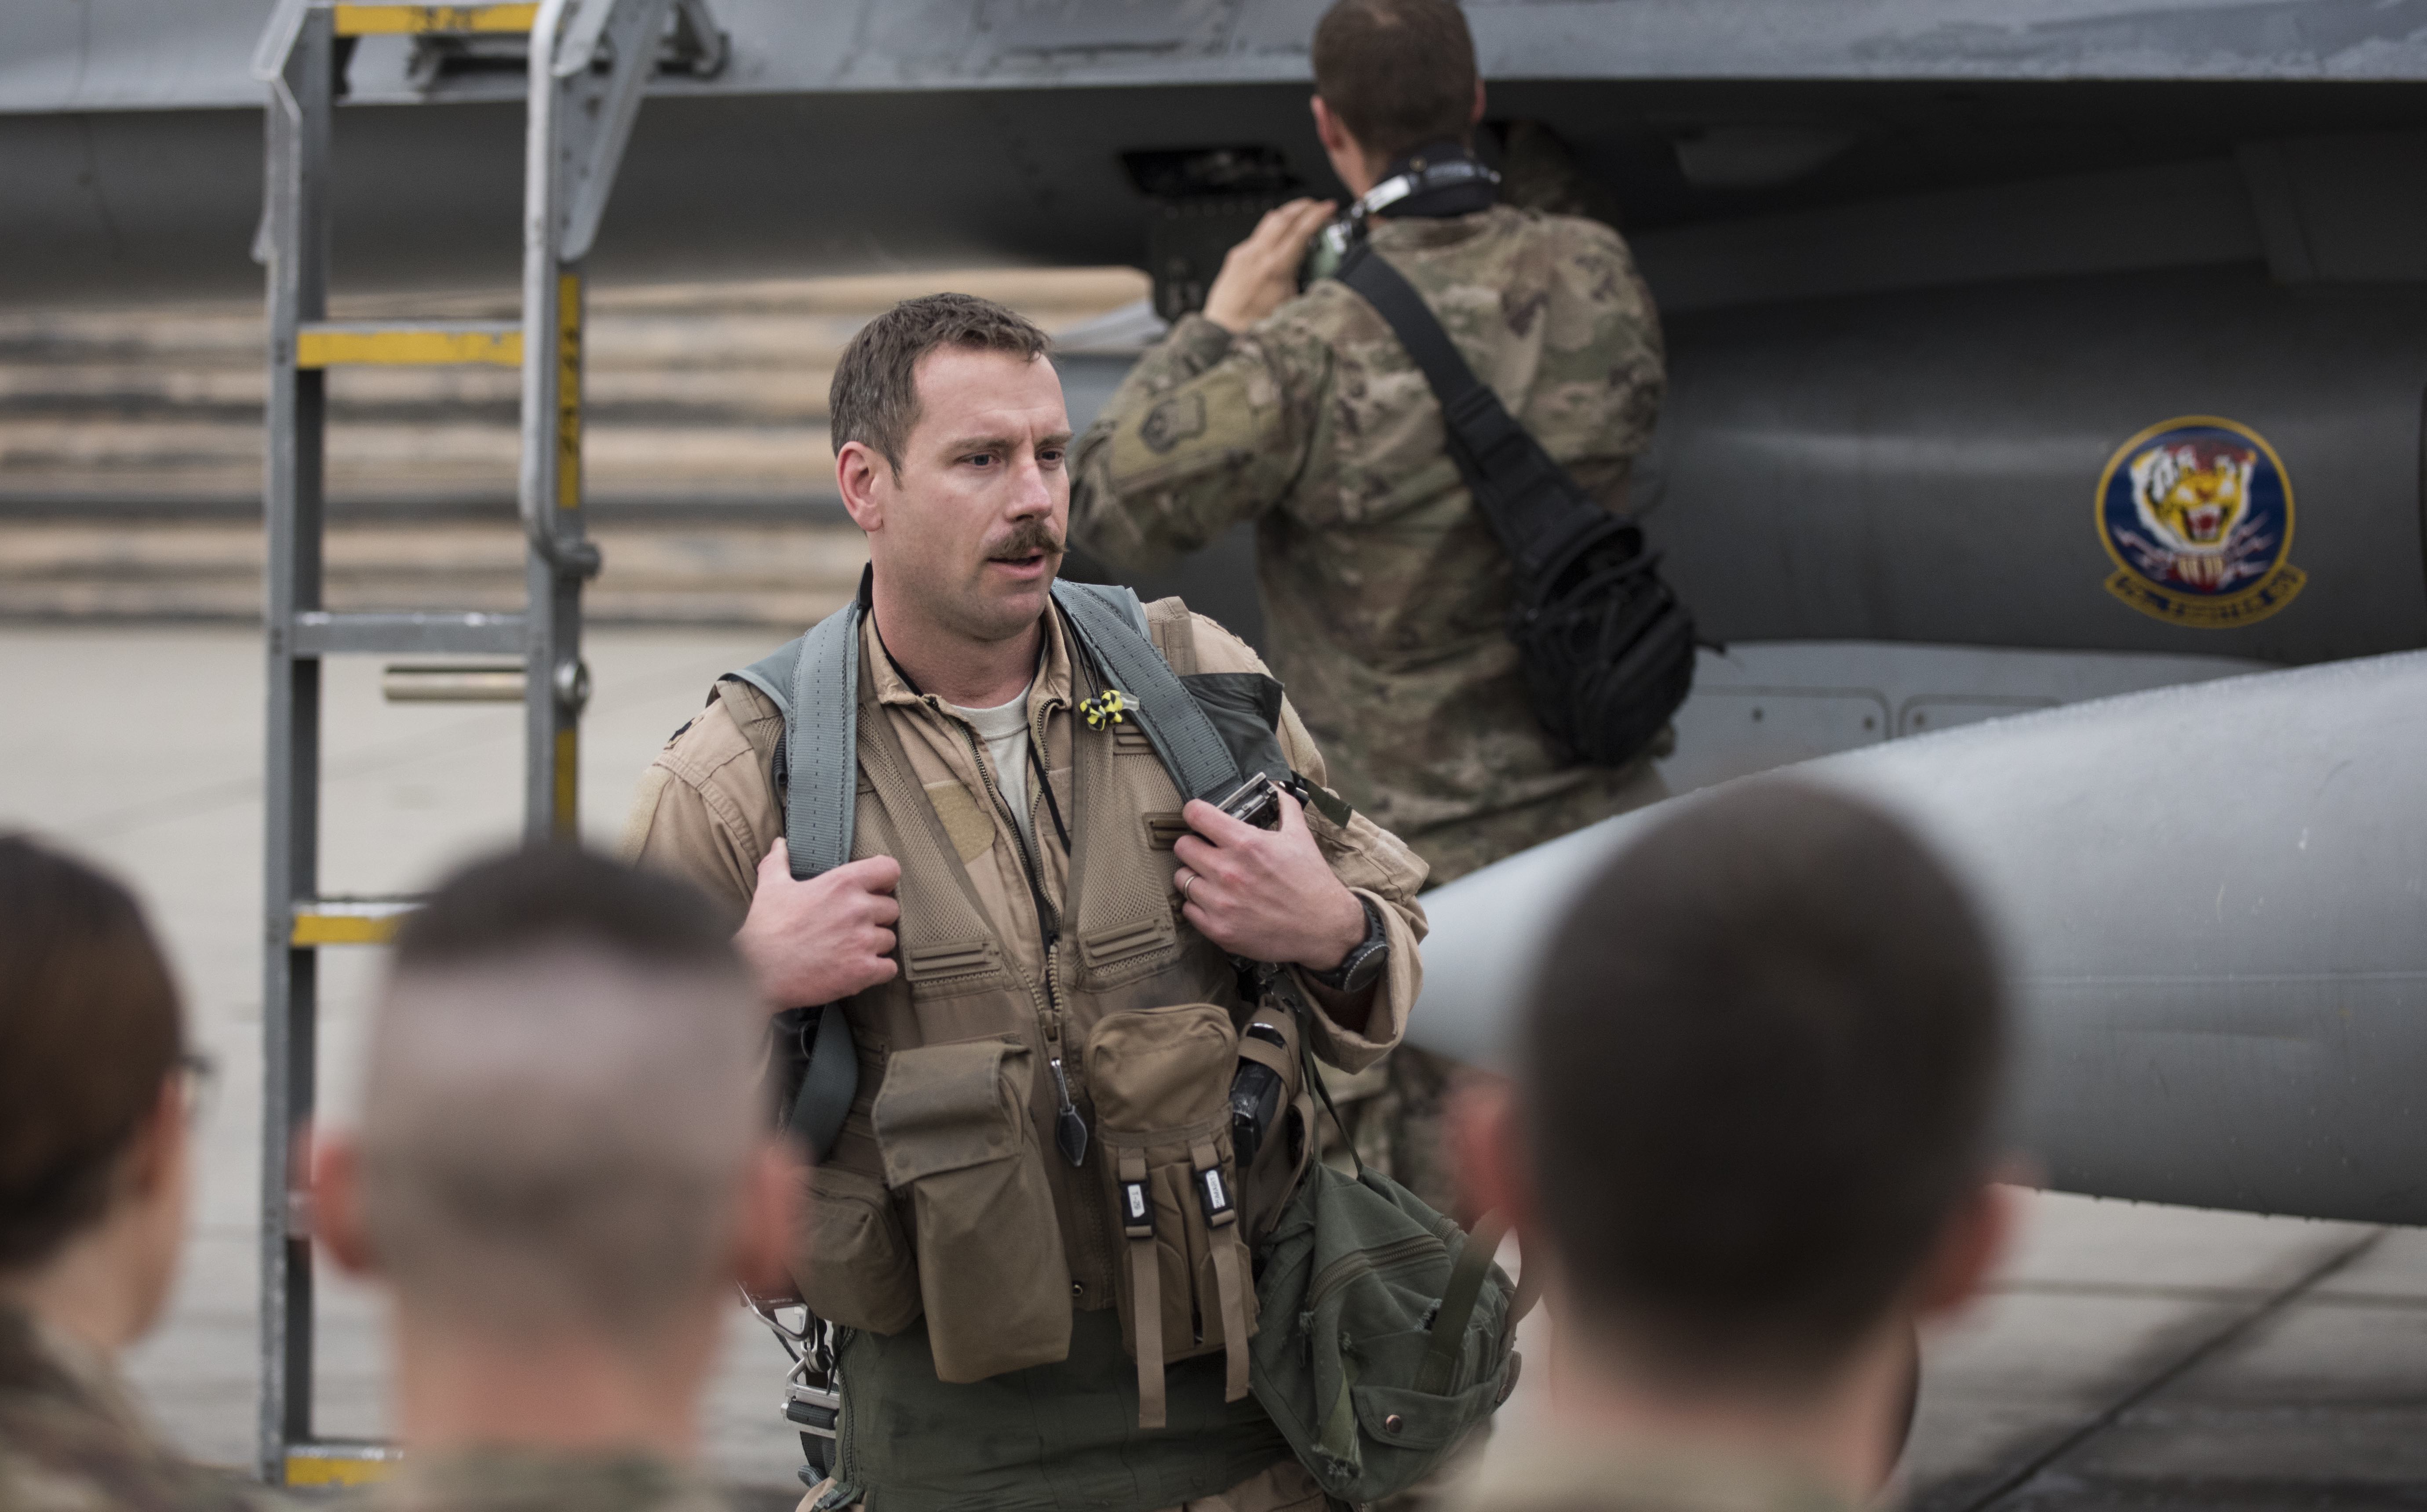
874,400
1759,1068
1399,73
514,902
89,1028
558,1106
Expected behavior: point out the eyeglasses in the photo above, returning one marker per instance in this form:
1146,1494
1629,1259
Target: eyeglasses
198,1083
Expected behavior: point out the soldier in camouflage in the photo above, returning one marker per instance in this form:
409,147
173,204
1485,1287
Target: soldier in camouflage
559,1174
72,1439
1385,593
94,1098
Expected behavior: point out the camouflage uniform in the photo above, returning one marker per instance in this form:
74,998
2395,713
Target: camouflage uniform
71,1440
1622,1476
1384,591
510,1480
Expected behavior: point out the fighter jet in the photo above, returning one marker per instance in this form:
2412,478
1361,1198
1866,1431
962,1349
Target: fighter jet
2022,353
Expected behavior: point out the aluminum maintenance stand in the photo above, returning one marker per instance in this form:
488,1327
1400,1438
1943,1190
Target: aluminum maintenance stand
589,61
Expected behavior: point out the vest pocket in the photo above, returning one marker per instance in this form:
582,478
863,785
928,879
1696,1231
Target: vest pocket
953,1126
853,1265
1161,1078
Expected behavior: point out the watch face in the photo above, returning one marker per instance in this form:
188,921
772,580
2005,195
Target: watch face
1364,969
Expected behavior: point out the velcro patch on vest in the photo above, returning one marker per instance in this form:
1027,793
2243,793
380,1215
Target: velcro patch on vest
1122,941
1162,831
925,963
969,825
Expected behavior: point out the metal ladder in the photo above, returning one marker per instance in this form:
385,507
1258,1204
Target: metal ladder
589,61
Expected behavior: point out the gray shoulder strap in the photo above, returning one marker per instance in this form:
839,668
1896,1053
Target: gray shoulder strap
815,682
772,674
1110,624
822,741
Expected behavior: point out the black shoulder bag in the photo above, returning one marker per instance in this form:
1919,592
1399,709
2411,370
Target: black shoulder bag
1608,651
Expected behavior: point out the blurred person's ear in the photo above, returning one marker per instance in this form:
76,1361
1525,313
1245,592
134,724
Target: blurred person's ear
773,1200
157,1184
157,1161
1971,1244
336,1164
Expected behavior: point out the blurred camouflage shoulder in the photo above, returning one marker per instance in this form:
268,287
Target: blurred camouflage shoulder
518,1480
70,1440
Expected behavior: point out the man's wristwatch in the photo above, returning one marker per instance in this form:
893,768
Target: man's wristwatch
1362,966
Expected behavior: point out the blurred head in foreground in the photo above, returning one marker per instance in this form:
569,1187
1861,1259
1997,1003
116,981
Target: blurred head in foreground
96,1097
93,1154
1752,1127
561,1170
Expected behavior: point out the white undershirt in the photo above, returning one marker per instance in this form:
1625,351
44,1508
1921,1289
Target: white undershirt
1005,730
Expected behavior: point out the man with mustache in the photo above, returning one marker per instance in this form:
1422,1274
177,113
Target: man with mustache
1036,943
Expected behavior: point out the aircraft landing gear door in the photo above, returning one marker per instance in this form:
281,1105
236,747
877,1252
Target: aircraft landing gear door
587,61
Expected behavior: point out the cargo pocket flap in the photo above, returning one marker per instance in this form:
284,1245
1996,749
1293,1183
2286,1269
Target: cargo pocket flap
947,1107
1161,1068
1418,1419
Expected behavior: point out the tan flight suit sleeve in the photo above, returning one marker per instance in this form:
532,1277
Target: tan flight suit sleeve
1208,430
1374,863
705,808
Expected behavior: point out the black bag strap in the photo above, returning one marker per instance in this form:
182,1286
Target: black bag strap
1447,1339
1537,510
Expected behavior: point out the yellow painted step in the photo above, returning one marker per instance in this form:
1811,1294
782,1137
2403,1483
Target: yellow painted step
427,21
433,343
349,921
333,1466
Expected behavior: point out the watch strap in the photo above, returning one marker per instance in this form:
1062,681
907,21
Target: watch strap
1376,940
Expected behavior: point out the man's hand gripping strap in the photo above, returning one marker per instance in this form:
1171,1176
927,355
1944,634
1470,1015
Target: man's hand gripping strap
819,695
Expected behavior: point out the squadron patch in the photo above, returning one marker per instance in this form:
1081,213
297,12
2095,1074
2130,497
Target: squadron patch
2197,514
1179,418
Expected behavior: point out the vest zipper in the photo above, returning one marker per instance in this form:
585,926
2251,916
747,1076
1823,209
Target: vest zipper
1069,1129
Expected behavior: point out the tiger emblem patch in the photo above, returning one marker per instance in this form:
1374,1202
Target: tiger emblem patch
2197,516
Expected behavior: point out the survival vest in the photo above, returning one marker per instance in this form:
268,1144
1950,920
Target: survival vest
996,1150
953,1182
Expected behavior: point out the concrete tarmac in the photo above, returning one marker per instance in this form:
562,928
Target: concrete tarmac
2129,1355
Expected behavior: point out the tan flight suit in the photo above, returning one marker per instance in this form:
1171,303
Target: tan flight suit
1385,593
1571,1474
514,1480
988,1365
72,1440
